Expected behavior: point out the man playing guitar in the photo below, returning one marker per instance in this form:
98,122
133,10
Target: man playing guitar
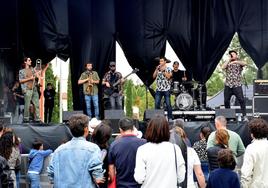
112,90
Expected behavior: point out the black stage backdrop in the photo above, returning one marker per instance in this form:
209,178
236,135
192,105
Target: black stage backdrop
199,31
54,135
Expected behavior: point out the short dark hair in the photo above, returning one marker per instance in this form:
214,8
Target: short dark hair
49,84
126,124
226,159
88,62
232,51
37,144
77,124
259,128
101,135
157,130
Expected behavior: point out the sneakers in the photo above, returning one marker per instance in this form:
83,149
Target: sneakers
245,119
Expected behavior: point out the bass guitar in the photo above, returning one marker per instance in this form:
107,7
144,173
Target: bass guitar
110,90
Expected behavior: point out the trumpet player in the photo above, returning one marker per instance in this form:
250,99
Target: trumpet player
28,78
90,80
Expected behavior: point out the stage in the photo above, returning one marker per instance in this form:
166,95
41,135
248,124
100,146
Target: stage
54,135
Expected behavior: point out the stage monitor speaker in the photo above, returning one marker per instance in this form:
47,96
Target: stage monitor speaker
67,114
152,112
260,105
114,116
227,113
6,120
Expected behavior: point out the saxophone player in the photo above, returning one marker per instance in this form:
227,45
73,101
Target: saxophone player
90,80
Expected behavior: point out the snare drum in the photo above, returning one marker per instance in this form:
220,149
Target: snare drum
184,101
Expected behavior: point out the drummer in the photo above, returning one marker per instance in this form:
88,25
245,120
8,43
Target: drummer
178,77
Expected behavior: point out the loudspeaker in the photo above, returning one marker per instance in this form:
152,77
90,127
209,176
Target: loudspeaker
114,116
6,120
67,114
148,114
260,105
227,113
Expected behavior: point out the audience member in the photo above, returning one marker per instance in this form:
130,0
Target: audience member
201,146
122,155
193,165
36,160
180,123
254,172
100,136
224,176
77,159
235,143
5,178
222,138
159,163
10,153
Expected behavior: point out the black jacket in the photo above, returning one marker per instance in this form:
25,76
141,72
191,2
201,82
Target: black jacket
212,153
5,179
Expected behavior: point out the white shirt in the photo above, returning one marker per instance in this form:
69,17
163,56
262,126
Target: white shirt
155,165
192,159
254,172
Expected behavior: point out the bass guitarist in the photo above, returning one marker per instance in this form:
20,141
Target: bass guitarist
114,92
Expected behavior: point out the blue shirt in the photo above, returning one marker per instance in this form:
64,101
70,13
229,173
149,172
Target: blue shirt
223,178
36,159
122,154
75,163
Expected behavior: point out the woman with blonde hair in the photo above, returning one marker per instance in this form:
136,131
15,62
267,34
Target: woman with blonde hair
222,138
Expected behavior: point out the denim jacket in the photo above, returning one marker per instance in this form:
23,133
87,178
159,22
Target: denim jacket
74,163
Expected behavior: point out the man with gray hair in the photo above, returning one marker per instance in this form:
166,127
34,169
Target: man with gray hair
235,143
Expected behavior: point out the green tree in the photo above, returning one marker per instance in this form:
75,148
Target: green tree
129,97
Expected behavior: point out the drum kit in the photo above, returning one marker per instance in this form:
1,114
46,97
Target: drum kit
188,95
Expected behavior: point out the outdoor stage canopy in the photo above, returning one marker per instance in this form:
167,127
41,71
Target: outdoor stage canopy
199,31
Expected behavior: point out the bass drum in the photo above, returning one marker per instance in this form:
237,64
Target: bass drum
184,101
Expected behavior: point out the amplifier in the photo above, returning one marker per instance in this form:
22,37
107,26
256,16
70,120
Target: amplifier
260,105
260,87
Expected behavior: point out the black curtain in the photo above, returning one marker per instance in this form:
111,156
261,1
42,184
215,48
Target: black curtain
253,29
92,33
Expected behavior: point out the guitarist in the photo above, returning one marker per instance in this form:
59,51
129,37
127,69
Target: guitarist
115,93
90,80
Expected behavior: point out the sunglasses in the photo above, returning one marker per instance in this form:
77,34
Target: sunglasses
112,65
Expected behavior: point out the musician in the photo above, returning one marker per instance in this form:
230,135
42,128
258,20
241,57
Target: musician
163,74
90,80
49,95
114,92
178,75
233,82
28,78
19,99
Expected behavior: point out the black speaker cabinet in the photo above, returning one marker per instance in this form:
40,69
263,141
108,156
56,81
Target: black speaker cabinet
152,112
260,105
114,116
226,112
67,114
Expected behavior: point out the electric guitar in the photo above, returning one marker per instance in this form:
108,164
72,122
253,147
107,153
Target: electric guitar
110,90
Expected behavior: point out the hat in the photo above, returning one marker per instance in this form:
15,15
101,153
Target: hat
162,57
112,63
93,123
176,62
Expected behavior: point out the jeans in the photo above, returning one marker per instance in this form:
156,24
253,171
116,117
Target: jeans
95,100
116,98
35,180
158,97
238,92
48,113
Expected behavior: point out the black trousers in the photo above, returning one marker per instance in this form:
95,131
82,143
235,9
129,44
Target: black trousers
48,113
238,93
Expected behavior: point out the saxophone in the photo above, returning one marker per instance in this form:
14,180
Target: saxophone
89,88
